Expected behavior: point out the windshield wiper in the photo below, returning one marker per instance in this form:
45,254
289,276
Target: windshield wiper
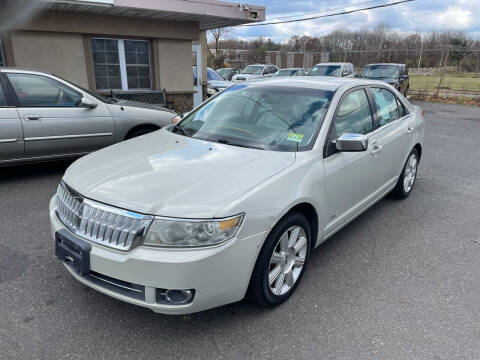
182,130
226,142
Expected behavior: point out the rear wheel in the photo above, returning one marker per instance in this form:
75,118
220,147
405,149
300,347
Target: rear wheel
281,262
407,177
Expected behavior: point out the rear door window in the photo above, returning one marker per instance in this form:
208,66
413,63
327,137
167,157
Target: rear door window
354,115
387,106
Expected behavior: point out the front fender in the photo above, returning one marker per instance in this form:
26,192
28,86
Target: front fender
267,203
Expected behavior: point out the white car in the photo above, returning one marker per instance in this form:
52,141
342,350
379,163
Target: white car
254,72
232,200
336,69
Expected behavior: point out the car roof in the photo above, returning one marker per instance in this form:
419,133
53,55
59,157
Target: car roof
315,82
332,63
391,64
261,65
24,70
292,68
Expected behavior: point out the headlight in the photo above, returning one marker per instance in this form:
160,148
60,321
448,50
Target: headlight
211,91
191,233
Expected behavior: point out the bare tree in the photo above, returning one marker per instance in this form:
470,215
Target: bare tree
217,36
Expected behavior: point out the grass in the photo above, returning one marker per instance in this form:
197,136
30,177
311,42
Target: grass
452,81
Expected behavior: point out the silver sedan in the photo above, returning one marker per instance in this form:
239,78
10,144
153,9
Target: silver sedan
43,117
262,173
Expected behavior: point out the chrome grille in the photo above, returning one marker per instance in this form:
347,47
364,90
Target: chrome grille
102,224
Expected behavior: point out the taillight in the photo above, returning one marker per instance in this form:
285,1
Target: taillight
423,114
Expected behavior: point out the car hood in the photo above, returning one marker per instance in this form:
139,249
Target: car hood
219,83
138,104
387,80
246,76
171,175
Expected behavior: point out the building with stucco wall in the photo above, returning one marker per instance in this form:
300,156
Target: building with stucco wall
120,46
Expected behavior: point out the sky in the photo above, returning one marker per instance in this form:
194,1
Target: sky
417,16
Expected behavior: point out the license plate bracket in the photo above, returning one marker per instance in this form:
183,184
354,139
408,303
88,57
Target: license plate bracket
73,251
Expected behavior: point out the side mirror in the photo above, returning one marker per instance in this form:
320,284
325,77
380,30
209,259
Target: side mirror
86,102
352,142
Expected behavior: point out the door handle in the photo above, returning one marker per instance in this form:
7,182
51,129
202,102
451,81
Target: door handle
376,150
409,130
32,117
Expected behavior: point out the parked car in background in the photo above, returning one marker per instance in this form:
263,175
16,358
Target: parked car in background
231,201
228,73
255,71
393,74
288,72
215,82
43,117
337,69
304,71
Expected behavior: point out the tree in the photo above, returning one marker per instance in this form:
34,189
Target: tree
459,53
217,35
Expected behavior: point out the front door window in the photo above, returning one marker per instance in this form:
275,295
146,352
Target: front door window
41,91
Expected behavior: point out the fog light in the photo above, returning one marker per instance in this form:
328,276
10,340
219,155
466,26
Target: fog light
175,296
178,296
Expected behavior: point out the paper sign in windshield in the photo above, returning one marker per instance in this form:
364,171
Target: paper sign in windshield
295,137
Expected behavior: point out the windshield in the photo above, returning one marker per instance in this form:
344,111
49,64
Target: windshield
223,72
278,118
325,70
380,72
253,70
286,72
213,75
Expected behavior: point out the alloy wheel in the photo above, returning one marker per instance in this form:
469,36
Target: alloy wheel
410,173
287,260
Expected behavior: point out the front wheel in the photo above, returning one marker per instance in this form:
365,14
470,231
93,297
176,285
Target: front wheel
407,177
281,262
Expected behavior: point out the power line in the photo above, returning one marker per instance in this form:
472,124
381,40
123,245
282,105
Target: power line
330,15
325,10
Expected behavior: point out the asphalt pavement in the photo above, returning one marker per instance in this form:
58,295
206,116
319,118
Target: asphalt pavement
400,282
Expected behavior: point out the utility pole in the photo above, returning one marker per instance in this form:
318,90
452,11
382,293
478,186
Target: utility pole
443,74
420,57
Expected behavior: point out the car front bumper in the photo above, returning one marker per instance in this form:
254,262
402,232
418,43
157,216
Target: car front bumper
219,275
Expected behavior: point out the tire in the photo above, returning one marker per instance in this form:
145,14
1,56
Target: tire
288,264
140,131
401,190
